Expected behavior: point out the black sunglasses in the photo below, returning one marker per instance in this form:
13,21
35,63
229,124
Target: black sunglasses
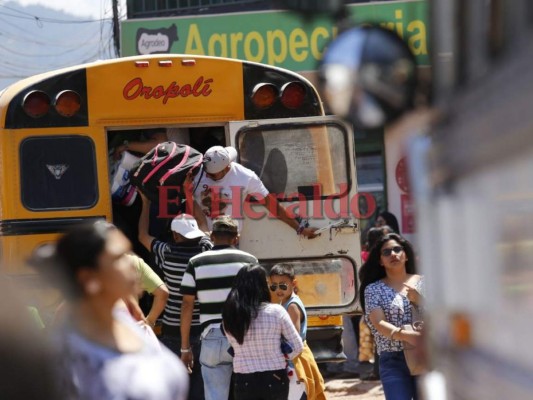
388,252
282,286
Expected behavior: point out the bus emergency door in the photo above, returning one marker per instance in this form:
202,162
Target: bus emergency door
308,163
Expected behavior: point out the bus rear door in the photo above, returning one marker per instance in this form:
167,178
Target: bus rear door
308,163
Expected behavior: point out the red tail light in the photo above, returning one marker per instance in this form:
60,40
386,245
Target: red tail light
292,95
264,95
67,103
36,104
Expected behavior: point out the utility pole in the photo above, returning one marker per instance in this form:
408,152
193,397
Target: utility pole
116,29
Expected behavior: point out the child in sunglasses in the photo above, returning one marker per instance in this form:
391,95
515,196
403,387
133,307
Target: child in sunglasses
306,382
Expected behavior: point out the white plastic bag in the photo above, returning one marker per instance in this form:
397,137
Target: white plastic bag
296,387
122,191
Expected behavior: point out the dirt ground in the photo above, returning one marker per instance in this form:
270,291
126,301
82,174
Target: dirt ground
353,389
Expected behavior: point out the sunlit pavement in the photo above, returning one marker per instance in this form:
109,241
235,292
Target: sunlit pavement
346,383
353,389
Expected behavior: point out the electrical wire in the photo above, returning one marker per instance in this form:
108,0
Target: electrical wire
29,16
17,58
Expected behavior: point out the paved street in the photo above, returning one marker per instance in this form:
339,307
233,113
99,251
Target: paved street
354,389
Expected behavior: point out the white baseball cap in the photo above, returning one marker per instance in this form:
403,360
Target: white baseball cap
217,158
186,226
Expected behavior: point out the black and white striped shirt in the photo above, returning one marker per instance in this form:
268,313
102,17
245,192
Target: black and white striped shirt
173,258
209,277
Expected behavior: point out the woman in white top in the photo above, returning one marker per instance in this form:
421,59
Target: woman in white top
102,353
255,328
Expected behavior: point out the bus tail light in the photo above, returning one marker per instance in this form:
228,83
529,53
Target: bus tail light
67,103
264,95
292,95
165,63
142,64
36,104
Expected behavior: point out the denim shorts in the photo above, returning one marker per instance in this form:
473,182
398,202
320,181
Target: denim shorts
397,381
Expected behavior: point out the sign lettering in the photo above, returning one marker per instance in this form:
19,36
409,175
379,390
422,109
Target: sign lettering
137,89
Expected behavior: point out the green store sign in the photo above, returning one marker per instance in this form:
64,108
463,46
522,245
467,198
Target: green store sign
273,37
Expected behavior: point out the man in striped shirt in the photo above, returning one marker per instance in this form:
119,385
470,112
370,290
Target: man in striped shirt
172,258
209,278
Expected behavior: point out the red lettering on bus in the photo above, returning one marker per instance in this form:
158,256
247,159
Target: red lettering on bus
205,90
136,88
185,90
158,92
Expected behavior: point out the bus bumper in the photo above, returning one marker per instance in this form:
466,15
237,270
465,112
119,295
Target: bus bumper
326,343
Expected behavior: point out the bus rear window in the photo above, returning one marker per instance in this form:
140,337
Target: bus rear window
308,160
58,172
323,283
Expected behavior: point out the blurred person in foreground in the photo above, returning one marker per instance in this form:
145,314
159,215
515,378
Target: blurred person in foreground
390,289
25,356
102,353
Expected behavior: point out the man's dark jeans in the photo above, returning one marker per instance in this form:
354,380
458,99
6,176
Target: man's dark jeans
172,339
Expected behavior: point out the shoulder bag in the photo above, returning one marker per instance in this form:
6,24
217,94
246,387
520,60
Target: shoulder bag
414,355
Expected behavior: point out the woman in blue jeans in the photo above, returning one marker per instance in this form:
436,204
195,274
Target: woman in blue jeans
389,290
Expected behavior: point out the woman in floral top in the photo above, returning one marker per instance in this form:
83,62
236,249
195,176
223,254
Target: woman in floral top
389,287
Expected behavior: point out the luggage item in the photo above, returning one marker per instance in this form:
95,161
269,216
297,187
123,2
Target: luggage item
167,164
122,191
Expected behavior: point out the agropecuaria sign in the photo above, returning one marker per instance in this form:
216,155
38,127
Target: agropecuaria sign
277,38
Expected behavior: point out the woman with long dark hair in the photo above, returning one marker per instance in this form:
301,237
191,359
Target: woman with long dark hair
255,328
390,289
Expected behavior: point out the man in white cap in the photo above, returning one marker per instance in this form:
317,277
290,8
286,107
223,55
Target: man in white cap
224,179
172,258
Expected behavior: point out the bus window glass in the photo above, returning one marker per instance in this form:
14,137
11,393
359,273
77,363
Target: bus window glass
58,172
322,283
294,160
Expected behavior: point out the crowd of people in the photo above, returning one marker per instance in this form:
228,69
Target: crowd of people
230,328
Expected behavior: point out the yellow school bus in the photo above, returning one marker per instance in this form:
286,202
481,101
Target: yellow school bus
55,135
